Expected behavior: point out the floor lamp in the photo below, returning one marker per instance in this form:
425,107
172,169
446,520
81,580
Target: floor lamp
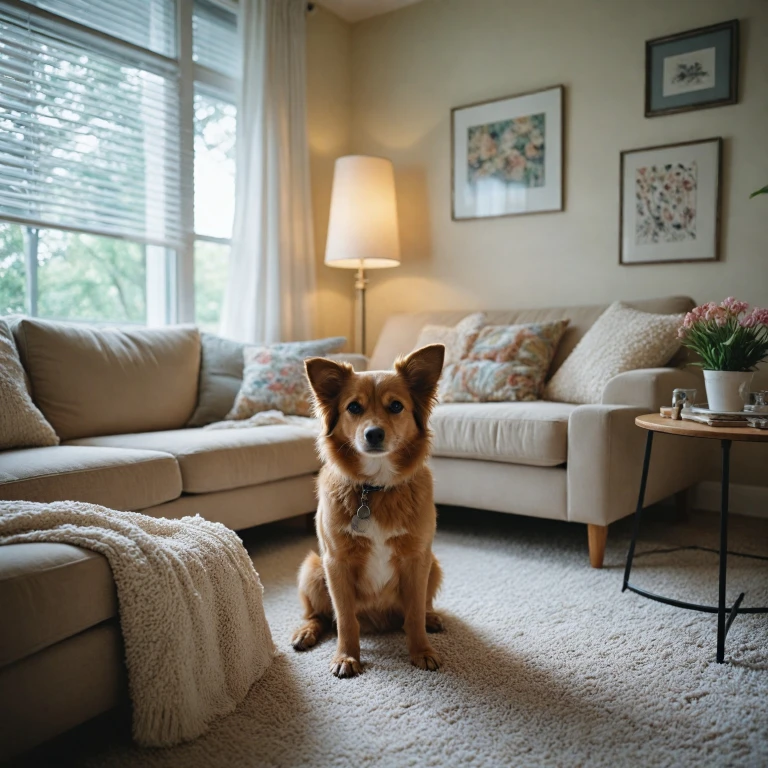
362,230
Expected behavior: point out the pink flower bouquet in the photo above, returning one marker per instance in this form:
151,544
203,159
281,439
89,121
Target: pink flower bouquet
726,336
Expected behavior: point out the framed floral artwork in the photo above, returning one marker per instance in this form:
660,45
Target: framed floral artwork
669,200
507,156
692,70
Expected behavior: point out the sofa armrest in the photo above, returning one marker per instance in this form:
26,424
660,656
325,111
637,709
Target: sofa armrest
650,388
358,362
605,461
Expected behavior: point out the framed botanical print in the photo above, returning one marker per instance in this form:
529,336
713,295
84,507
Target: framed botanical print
692,70
670,203
507,156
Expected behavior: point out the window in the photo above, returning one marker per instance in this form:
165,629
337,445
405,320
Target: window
149,24
211,269
13,273
214,165
214,41
99,216
215,121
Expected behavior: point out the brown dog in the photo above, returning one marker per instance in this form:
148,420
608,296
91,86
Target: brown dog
376,515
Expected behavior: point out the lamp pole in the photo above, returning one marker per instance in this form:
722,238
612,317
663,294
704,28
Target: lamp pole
360,284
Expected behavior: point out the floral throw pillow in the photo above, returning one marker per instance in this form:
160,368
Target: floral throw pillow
458,340
273,379
506,363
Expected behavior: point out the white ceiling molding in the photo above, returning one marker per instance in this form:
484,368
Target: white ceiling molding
357,10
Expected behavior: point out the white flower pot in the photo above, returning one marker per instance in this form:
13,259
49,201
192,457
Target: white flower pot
727,391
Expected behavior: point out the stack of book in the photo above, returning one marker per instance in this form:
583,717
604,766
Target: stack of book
703,415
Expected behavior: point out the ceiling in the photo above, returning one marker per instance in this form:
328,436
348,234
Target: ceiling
356,10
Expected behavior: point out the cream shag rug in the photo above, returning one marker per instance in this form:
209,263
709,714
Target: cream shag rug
547,663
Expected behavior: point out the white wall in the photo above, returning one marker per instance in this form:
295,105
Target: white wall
411,66
329,123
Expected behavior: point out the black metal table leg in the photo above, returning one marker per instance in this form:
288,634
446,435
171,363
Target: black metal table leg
721,630
639,510
725,615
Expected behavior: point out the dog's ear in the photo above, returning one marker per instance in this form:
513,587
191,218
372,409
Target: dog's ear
327,378
421,371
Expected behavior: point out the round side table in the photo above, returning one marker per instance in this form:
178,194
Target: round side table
726,435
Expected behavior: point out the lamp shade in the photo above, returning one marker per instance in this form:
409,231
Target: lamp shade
362,231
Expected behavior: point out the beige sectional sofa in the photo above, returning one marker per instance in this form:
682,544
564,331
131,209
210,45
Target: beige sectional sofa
121,411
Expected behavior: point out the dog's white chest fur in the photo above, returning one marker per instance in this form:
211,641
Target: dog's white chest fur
377,469
378,568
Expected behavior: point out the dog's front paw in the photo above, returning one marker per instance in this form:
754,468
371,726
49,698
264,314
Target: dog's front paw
345,666
303,639
434,622
427,659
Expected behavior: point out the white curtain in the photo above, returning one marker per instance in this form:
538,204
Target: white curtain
270,292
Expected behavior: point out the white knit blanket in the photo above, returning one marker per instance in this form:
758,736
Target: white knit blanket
267,418
191,610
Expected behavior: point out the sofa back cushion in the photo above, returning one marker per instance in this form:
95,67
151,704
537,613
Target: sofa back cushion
92,381
400,332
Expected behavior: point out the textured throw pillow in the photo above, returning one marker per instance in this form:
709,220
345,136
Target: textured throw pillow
621,339
506,363
21,423
221,372
457,340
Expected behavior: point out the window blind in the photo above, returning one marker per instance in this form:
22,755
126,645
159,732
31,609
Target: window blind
89,136
150,24
215,42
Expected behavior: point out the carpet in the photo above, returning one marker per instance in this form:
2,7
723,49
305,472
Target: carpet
547,663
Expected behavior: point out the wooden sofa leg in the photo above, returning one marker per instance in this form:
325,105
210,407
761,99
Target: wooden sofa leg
597,536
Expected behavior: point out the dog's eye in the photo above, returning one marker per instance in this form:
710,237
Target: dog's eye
395,406
355,408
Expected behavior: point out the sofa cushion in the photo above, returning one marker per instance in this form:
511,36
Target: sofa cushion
219,459
120,479
532,433
49,592
95,381
401,331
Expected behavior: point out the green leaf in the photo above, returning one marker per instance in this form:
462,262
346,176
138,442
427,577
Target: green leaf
763,191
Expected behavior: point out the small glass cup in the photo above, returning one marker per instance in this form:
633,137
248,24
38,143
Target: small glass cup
759,405
685,396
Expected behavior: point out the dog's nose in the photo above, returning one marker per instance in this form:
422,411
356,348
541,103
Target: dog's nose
374,436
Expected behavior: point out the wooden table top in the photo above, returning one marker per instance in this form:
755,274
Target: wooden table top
657,423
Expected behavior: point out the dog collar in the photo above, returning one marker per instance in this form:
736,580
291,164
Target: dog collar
362,518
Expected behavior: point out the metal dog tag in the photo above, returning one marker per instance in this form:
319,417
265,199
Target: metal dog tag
360,524
364,512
